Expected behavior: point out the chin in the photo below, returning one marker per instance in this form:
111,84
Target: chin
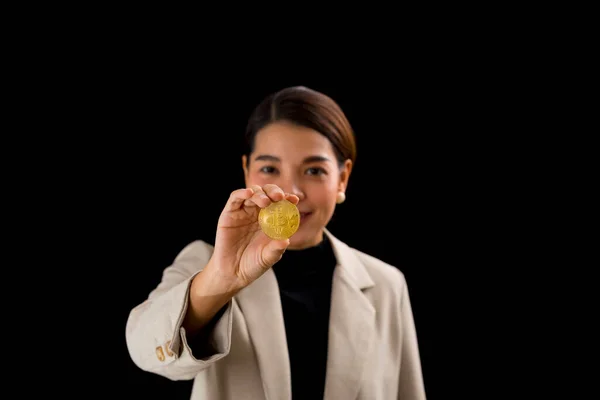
302,240
296,242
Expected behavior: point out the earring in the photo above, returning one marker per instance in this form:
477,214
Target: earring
341,197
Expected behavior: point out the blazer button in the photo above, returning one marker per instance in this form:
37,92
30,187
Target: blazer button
160,354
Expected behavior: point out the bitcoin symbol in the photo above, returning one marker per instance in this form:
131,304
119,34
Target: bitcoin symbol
279,220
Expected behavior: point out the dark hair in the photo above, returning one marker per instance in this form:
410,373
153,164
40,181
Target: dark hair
308,108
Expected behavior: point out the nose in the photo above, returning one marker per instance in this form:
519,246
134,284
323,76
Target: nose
298,193
292,187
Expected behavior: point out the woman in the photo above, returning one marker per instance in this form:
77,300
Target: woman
305,318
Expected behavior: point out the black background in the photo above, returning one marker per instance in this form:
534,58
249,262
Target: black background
126,150
158,153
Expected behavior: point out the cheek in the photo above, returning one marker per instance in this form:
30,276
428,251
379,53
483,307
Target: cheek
324,197
255,178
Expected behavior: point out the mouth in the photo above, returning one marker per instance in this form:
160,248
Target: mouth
304,215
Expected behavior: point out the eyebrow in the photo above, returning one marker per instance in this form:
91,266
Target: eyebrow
309,159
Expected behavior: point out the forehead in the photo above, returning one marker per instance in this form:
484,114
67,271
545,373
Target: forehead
287,140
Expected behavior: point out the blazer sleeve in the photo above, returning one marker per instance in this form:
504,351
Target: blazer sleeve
411,386
155,338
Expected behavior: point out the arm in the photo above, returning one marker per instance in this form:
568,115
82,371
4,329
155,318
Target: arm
410,384
194,298
156,334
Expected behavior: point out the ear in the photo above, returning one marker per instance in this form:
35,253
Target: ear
245,168
345,175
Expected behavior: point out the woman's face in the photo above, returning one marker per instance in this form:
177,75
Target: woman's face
300,161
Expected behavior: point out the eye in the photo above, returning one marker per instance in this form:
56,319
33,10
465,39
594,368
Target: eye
267,169
315,171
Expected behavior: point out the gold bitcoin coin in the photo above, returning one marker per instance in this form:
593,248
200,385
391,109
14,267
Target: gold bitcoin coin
280,220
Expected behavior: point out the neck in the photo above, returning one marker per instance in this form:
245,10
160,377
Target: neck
308,243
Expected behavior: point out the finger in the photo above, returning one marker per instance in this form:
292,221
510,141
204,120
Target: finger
259,198
256,188
292,198
274,251
237,198
274,192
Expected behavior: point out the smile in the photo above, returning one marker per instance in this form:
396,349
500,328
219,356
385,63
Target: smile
304,215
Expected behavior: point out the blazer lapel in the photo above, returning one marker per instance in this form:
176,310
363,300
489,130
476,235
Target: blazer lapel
351,325
261,304
351,329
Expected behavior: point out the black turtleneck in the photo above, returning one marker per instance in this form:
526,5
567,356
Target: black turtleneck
305,278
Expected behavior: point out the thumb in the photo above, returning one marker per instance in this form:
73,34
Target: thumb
274,251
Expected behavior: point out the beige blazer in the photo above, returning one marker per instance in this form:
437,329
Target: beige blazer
373,351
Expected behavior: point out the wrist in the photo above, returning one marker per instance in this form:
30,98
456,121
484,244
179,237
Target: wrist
217,280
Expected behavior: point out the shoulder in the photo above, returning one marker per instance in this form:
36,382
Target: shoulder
194,251
367,269
381,272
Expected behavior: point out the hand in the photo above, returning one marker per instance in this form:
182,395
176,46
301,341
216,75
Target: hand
242,251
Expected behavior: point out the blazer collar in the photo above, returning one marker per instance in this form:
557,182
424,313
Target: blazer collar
349,265
351,328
